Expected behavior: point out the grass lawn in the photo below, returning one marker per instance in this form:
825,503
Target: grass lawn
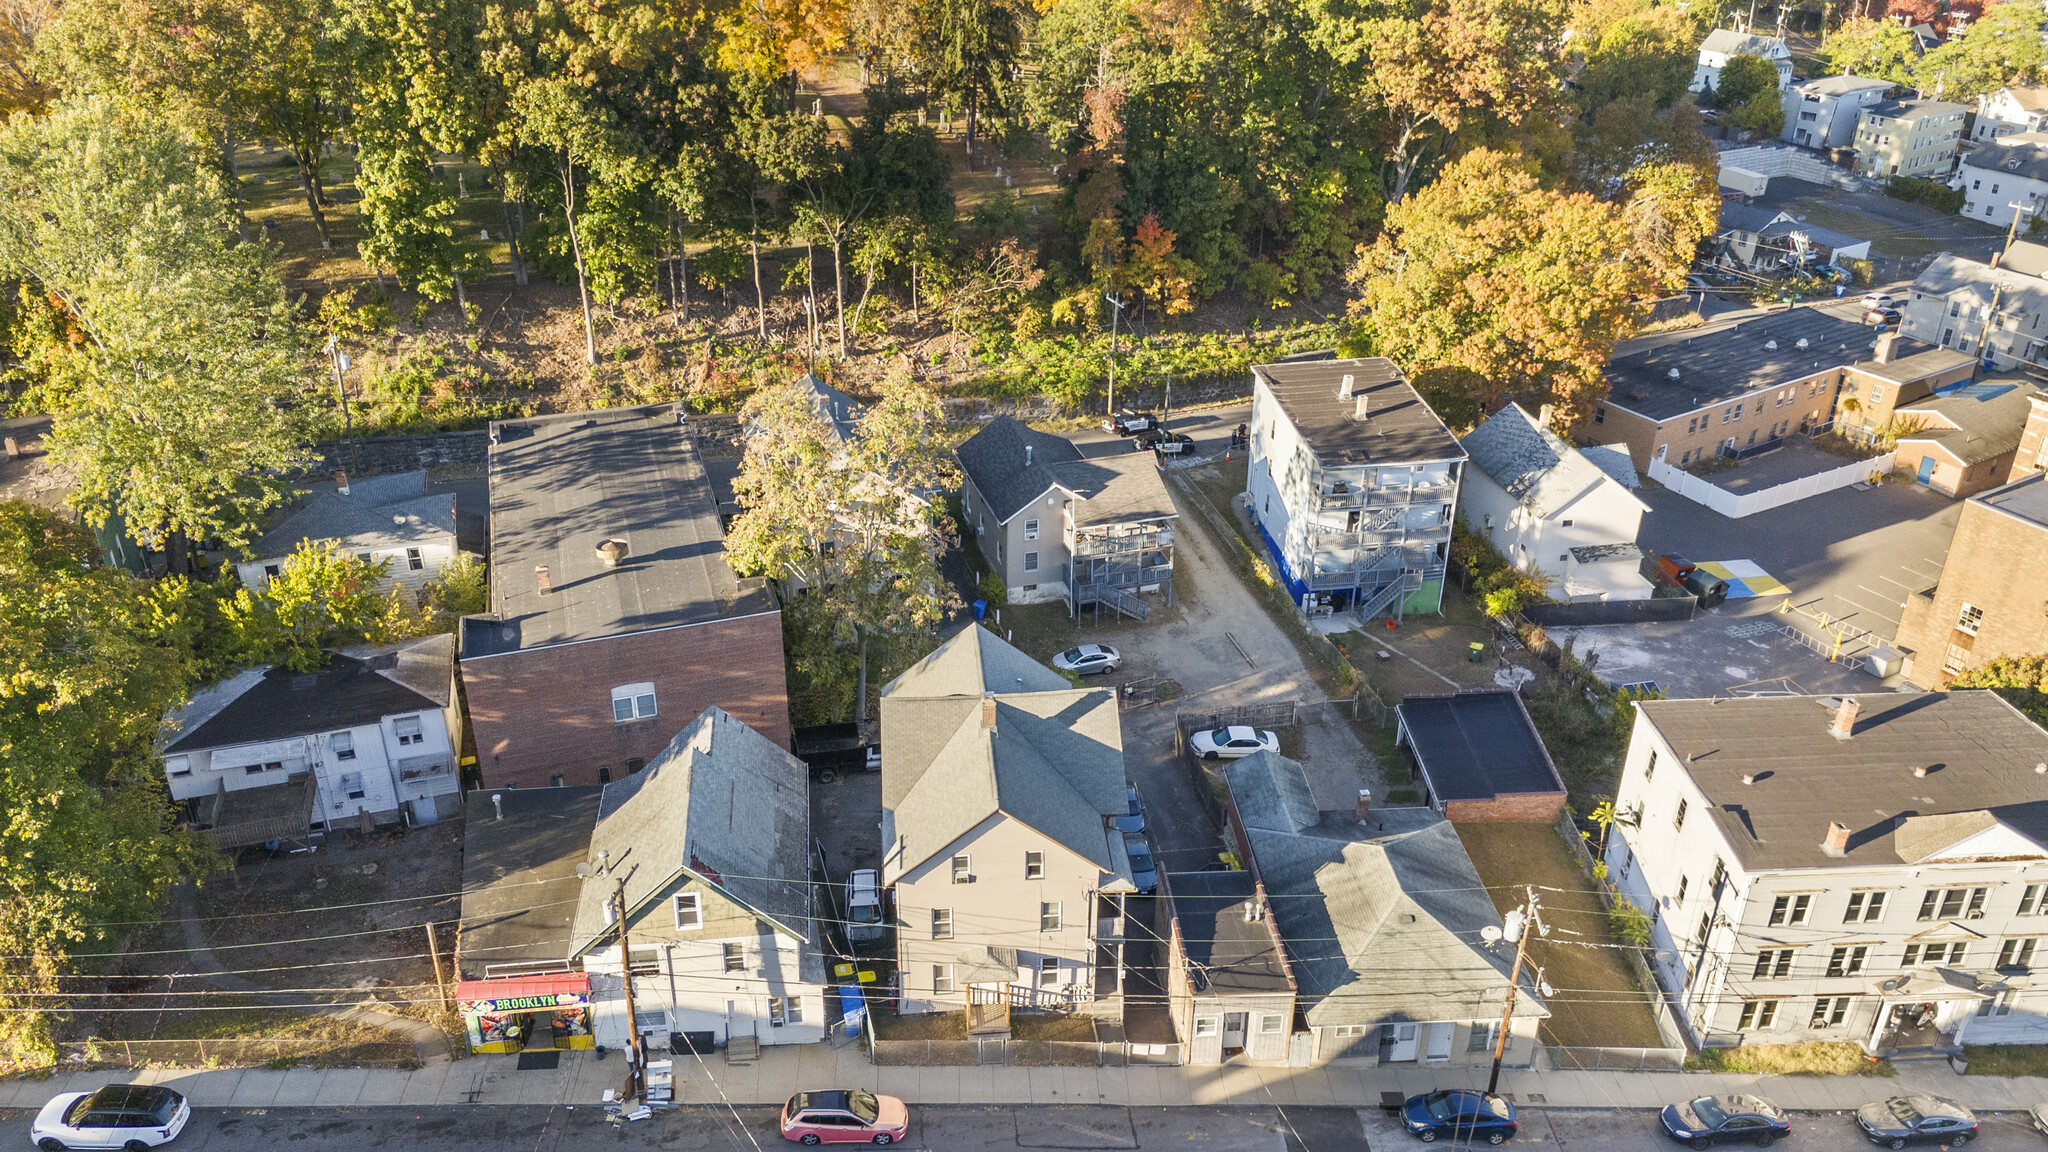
1814,1058
1598,1003
1052,1026
2006,1060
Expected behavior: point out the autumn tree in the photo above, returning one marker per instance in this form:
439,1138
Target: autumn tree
1749,95
1864,47
1487,286
1650,52
2001,48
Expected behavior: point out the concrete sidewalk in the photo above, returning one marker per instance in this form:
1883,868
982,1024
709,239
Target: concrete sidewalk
582,1079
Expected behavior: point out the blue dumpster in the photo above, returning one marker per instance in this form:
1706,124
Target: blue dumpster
852,1010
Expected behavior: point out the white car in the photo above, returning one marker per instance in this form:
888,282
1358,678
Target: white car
1232,742
1085,658
1877,300
127,1116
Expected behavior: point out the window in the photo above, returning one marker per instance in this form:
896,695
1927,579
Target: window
1270,1024
1789,910
178,766
689,910
942,978
1864,907
942,923
2034,901
1481,1037
735,957
1829,1011
1049,916
1031,529
1706,926
1934,954
1949,903
1970,618
999,551
1048,971
1679,898
408,730
344,745
1034,865
1206,1026
413,561
1758,1014
1999,1005
962,869
785,1010
1847,960
634,765
604,773
1773,964
556,781
350,785
632,702
1650,766
1599,415
1955,660
260,769
2018,952
1719,877
1678,821
1031,561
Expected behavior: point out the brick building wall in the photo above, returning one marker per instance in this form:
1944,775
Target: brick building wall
545,712
2033,441
1507,808
1778,410
1989,567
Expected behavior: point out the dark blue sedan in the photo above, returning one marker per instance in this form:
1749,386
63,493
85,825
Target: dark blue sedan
1460,1115
1726,1120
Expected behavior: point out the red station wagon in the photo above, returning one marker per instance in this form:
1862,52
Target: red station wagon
844,1117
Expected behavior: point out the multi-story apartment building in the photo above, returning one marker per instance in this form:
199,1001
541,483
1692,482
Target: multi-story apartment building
1917,138
1822,113
1353,483
1053,525
1991,310
1000,786
2009,111
1985,605
1829,869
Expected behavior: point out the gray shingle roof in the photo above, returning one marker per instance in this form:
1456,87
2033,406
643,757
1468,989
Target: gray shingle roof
1913,110
1054,761
1745,218
1980,754
1118,489
560,486
378,512
721,800
994,458
1813,233
1614,460
1840,85
277,703
1953,276
2021,154
2026,256
1732,43
1530,462
1397,895
1978,429
840,412
1400,426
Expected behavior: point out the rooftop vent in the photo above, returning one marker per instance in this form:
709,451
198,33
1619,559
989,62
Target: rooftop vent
1344,387
542,580
611,551
1363,410
1803,344
1919,771
1673,374
1770,345
341,483
1027,455
1749,778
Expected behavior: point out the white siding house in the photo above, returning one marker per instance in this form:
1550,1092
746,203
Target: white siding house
1723,45
1535,498
2006,177
1822,113
390,520
1815,868
2010,111
375,728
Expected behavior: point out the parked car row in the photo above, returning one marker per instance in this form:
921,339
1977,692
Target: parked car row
1738,1118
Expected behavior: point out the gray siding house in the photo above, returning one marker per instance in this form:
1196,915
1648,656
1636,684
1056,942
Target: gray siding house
1227,984
391,520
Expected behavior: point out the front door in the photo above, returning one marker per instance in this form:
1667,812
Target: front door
1926,469
1404,1042
1233,1030
1440,1041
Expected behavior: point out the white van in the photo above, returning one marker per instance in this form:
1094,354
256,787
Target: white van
864,906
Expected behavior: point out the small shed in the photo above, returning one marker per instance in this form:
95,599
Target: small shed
1480,758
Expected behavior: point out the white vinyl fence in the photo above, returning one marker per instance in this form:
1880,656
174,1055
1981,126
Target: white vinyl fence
1735,507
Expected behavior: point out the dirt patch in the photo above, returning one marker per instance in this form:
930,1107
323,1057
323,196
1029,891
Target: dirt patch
1051,1026
923,1026
1598,1003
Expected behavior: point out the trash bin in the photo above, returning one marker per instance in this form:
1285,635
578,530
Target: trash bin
1476,653
980,609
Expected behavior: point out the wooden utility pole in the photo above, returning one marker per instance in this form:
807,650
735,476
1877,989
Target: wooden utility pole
2012,231
434,950
1520,921
636,1055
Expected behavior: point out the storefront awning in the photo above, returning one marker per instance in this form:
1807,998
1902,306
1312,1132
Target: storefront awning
524,993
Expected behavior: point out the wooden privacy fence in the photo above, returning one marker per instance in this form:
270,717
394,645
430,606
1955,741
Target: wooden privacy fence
234,1053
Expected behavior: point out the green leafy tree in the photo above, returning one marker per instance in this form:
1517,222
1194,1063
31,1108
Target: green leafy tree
2023,680
1743,79
2002,47
178,405
86,839
1864,47
1647,53
322,597
968,49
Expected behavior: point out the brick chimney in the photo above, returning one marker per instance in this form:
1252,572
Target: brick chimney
1882,352
1844,725
1544,415
341,482
1837,843
541,578
988,711
1364,804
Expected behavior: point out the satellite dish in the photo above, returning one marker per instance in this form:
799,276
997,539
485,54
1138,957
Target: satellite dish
1545,988
1490,934
583,871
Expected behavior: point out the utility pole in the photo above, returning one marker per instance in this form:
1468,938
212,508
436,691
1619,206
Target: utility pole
2012,231
434,950
636,1055
1117,307
1515,927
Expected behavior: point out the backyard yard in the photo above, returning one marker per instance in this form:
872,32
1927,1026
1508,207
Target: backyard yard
1597,1002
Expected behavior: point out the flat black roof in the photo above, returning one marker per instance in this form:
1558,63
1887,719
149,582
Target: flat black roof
1400,428
1716,365
562,485
519,882
1477,745
1227,954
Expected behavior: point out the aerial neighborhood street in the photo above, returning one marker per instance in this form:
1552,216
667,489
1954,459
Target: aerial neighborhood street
1071,575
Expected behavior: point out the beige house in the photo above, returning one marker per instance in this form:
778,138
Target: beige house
1000,782
1917,138
1964,441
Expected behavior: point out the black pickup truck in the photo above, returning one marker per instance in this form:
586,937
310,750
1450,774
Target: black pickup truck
830,749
